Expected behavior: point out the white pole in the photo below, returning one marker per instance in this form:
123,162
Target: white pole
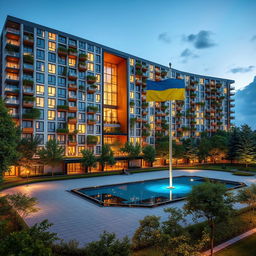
170,145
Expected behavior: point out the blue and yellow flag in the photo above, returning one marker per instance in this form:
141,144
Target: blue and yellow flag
164,90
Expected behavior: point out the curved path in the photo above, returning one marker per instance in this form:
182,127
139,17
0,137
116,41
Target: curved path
76,218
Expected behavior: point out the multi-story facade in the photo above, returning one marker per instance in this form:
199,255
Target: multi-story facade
59,86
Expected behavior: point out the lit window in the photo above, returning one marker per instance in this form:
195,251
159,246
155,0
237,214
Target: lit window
51,91
152,126
71,151
131,110
132,140
52,36
90,56
97,97
81,128
132,95
52,68
131,62
201,80
131,78
51,46
71,127
40,89
51,137
138,140
151,68
51,115
40,102
90,66
71,62
151,75
98,78
151,118
51,103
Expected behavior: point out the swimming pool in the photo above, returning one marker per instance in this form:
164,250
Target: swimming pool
147,193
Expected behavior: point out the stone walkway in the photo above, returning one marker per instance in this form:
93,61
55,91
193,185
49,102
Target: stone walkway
230,242
76,218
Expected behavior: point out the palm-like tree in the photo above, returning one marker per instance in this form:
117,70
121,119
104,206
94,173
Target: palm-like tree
52,154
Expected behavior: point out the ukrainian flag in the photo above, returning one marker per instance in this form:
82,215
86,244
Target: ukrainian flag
164,90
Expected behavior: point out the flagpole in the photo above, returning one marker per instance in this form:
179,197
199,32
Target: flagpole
170,144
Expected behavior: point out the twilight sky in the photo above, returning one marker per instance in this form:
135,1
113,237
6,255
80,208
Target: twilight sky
215,38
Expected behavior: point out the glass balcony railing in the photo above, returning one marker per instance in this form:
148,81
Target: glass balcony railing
13,31
12,77
11,101
28,66
13,54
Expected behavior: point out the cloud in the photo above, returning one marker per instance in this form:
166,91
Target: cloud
187,54
253,38
245,105
164,37
242,69
201,40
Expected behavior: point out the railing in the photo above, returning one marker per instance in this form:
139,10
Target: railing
12,77
13,54
28,90
12,30
12,101
13,42
28,66
12,65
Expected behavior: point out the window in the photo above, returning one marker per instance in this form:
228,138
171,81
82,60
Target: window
81,106
40,78
51,91
71,62
97,59
51,79
71,42
90,129
39,102
41,139
62,93
51,127
90,48
61,139
110,84
51,115
51,103
131,79
81,75
40,89
40,43
61,81
51,46
98,78
40,32
81,139
90,66
90,56
41,117
39,126
90,97
61,116
81,117
97,68
131,62
51,57
82,45
62,39
97,97
81,128
51,137
52,68
27,124
97,49
62,60
40,54
52,36
40,66
98,129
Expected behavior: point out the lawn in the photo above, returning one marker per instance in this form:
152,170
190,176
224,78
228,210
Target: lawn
245,247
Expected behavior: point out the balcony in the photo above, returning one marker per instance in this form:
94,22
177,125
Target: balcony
12,67
63,108
72,87
12,33
28,104
83,57
92,109
28,82
144,68
28,40
157,72
232,105
157,78
158,121
72,143
72,52
72,120
82,67
72,98
12,91
62,51
91,79
28,130
72,76
144,113
72,109
62,131
28,68
12,102
12,78
232,94
27,91
92,140
92,89
91,121
138,82
28,58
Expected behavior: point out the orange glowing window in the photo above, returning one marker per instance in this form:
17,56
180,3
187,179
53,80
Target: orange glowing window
52,36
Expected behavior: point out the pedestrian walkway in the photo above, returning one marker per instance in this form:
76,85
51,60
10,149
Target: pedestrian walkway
230,242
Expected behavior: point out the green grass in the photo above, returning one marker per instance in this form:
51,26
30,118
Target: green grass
239,173
245,247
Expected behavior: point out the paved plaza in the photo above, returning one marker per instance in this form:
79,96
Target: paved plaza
76,218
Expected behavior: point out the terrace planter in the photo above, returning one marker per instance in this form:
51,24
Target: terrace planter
91,79
92,109
62,107
72,120
28,59
62,130
92,140
138,66
163,74
62,51
83,57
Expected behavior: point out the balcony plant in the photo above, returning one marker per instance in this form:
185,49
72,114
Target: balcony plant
81,87
72,50
144,104
145,133
62,50
92,140
34,113
132,121
138,72
62,130
132,103
12,48
28,82
92,109
28,98
28,59
62,107
83,56
163,74
91,79
138,65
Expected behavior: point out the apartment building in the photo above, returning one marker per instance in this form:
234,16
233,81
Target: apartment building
60,86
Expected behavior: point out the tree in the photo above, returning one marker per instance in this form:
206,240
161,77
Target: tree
203,148
108,245
52,154
246,147
190,150
248,196
233,144
177,151
148,232
23,203
132,150
88,159
149,154
33,241
9,138
106,156
210,201
162,147
27,148
218,148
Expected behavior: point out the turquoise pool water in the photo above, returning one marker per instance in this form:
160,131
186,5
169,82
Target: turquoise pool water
147,193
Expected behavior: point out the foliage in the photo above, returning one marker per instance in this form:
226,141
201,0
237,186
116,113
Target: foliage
33,241
91,139
133,150
33,113
9,139
108,245
203,149
106,156
233,144
52,154
22,203
210,201
218,146
149,154
88,159
190,150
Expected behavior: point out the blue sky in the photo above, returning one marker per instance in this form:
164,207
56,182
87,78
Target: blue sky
215,38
